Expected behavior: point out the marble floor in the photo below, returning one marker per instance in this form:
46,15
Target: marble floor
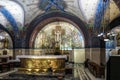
79,73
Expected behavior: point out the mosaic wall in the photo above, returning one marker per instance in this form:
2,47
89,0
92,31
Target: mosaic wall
59,34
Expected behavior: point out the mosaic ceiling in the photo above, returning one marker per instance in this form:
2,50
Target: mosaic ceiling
11,10
24,11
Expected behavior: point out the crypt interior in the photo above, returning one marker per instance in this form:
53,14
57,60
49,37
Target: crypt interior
59,40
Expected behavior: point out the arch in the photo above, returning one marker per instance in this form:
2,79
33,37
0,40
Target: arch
12,37
113,24
10,18
36,25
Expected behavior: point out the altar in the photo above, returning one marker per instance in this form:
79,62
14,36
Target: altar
44,63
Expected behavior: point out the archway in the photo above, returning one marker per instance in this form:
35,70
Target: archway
6,42
61,36
114,23
65,34
54,17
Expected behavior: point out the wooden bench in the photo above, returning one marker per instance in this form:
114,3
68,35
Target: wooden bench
4,67
96,70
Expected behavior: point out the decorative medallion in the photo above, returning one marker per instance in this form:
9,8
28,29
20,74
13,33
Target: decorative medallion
52,5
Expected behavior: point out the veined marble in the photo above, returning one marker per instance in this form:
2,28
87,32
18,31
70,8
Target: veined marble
41,57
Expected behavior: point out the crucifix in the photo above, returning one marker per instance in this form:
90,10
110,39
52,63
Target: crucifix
58,32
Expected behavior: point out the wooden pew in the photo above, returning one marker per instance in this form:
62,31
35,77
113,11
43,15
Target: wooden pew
96,70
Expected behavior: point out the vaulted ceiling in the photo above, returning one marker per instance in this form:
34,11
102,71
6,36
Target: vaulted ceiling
22,12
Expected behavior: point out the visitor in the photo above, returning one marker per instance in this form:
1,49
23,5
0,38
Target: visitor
86,63
119,52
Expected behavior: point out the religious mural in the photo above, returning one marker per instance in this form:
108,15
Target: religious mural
59,34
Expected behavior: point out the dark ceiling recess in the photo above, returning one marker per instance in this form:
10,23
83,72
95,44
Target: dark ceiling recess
104,0
117,2
113,24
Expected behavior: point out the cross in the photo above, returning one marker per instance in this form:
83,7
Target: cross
58,32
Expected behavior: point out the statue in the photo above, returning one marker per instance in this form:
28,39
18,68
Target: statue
57,36
6,43
58,32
